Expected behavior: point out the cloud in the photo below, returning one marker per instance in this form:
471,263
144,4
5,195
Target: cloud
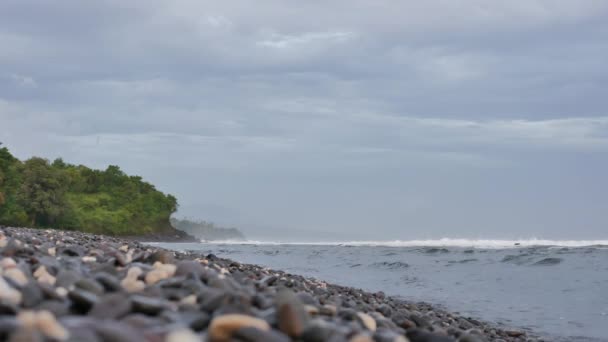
365,102
305,40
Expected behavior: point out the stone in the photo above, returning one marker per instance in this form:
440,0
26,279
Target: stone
43,276
8,309
109,282
49,326
7,263
418,335
188,267
67,278
26,335
72,251
386,335
328,310
131,283
164,257
318,331
43,321
471,338
160,272
89,285
361,337
118,332
311,310
32,295
368,321
16,275
82,300
111,306
182,335
8,293
59,309
291,314
223,327
188,300
147,305
515,333
250,334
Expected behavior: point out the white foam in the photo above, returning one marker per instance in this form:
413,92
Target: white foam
445,242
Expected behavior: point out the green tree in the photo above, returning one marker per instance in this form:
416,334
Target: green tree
67,196
42,192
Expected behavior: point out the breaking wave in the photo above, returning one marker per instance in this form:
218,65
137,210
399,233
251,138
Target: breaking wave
445,242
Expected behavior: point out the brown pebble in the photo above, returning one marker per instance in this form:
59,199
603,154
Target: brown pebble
291,314
222,327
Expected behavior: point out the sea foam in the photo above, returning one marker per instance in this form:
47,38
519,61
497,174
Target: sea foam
444,242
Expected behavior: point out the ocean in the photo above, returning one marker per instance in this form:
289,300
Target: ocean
556,289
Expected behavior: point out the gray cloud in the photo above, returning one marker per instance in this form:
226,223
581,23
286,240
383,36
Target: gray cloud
415,119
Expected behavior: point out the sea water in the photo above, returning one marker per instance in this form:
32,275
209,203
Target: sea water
557,289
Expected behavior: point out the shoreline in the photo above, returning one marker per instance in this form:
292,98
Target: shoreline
60,284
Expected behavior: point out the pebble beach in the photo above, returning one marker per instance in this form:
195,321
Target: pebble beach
71,286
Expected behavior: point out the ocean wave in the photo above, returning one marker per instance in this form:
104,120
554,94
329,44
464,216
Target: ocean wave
390,265
445,242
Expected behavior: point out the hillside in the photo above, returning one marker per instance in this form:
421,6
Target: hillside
207,230
39,193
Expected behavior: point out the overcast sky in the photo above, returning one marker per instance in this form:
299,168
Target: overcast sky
337,119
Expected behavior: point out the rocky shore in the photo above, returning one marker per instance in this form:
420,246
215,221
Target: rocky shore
70,286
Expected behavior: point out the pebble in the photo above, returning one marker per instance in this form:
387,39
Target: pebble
16,275
182,335
8,293
147,305
131,283
73,286
160,272
43,276
291,314
43,321
250,334
112,306
368,321
222,327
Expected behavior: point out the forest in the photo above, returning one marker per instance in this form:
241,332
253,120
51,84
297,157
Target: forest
40,193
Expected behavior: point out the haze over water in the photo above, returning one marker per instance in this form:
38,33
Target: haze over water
553,288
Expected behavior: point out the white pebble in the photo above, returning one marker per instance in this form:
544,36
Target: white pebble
89,259
8,293
16,275
182,335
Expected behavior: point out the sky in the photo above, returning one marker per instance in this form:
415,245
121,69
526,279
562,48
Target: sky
336,119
